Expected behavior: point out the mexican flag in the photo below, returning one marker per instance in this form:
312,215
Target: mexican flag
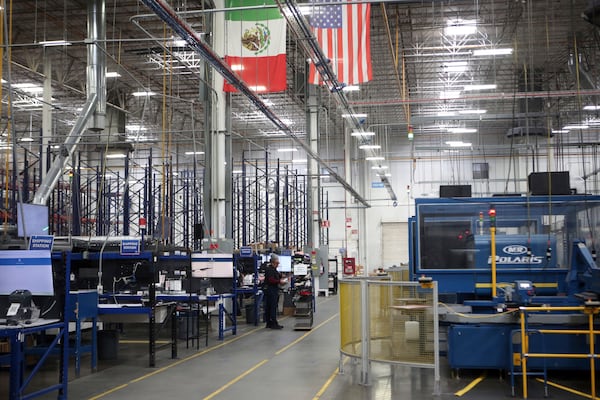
255,45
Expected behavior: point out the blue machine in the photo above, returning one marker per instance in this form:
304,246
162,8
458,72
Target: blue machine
544,255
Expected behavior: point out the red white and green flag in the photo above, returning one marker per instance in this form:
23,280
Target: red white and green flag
255,48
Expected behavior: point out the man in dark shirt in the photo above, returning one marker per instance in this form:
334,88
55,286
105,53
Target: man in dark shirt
272,281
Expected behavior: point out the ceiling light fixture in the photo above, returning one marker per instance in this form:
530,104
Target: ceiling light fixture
492,52
51,43
113,74
354,115
375,158
458,143
361,133
300,161
379,167
116,155
450,94
569,127
591,108
351,88
472,111
143,93
287,150
462,130
557,131
369,146
480,87
461,27
191,153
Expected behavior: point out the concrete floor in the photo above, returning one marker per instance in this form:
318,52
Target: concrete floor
262,363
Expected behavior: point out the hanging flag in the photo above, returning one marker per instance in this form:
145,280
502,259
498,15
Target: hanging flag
255,48
343,33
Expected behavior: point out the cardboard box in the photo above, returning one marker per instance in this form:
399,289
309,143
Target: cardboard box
289,310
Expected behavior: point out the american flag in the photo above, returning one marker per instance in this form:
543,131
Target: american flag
343,33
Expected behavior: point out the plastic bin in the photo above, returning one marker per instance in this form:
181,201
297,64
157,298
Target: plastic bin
250,314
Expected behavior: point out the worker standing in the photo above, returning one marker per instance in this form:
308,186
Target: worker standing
272,281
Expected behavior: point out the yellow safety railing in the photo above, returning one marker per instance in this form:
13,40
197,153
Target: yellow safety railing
590,311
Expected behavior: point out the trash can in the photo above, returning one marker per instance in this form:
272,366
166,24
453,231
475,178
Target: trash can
108,344
185,331
250,314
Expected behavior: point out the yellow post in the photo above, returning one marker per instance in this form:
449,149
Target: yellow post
524,351
493,250
592,358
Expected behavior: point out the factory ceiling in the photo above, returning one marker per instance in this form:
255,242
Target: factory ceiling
472,72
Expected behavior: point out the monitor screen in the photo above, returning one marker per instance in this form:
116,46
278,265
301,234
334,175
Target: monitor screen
32,219
285,264
212,265
26,269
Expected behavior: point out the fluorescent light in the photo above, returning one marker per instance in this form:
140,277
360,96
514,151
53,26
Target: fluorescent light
300,161
354,115
446,114
26,139
472,111
113,74
351,88
379,167
236,171
459,143
50,43
361,133
375,158
461,27
462,130
179,43
191,153
143,93
569,127
116,155
480,87
369,146
258,88
492,52
556,131
591,108
287,150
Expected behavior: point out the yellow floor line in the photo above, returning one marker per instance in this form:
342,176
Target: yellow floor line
175,363
231,382
566,389
305,335
470,385
326,385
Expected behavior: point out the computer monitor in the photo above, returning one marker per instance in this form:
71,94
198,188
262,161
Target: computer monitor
26,269
206,265
32,219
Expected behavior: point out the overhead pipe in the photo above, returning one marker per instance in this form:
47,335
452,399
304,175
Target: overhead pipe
193,39
96,61
95,104
65,153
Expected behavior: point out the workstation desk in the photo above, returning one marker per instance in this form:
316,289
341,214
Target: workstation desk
18,379
134,308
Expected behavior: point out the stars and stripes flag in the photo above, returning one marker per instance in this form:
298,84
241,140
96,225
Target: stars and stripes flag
343,33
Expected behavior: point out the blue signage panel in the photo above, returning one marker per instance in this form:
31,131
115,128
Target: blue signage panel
130,247
377,185
245,251
41,242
